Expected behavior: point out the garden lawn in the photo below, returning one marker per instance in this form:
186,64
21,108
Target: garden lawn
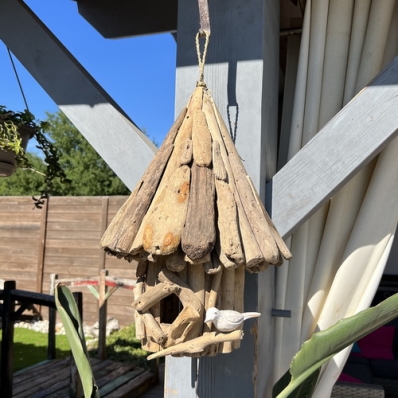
30,347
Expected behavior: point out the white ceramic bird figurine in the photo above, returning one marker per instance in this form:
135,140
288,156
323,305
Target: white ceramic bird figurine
228,320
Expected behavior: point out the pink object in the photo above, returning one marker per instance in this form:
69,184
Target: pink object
348,379
378,344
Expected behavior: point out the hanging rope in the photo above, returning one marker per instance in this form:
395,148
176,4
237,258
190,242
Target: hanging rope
204,32
201,57
18,80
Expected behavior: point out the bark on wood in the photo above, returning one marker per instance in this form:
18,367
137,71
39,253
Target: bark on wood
175,262
228,223
201,140
218,164
199,233
199,344
161,231
121,232
186,156
154,295
139,324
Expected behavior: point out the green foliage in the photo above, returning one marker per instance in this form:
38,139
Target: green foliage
89,175
11,141
30,347
69,313
325,344
123,346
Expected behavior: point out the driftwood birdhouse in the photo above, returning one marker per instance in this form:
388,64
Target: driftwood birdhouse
194,223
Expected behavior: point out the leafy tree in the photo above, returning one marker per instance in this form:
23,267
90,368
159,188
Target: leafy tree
87,171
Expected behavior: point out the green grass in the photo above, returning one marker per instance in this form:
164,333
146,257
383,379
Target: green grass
30,347
122,346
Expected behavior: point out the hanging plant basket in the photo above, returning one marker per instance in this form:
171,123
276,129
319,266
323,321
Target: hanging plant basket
8,162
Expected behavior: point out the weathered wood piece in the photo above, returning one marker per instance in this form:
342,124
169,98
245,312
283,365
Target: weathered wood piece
153,329
175,262
186,156
122,230
196,281
218,164
139,324
227,288
161,232
185,294
239,293
199,235
199,344
201,140
157,293
252,252
212,267
183,324
228,223
202,260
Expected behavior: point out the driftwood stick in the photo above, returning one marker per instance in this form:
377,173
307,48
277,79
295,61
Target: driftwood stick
196,281
153,329
182,325
122,230
199,233
239,292
202,260
227,300
201,139
154,295
161,231
185,294
186,156
228,223
278,239
218,164
139,324
254,213
175,262
212,267
252,252
199,344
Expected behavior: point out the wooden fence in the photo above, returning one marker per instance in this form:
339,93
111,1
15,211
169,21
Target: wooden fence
62,238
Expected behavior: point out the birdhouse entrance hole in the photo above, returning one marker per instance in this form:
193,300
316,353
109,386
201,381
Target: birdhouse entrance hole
170,307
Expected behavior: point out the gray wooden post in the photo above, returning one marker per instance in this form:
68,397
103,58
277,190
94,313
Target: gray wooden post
242,74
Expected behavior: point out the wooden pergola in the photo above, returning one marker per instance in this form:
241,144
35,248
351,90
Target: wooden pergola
243,72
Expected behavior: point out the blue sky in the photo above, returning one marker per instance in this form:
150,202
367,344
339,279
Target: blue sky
138,72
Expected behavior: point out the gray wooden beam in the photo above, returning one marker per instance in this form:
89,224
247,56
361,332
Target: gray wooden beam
112,134
121,18
241,73
348,142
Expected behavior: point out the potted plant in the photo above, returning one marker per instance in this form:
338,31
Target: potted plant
16,128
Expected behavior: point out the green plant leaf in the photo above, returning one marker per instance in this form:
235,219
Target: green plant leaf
69,313
305,389
325,344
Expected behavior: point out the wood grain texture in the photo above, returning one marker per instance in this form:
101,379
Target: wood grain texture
201,140
340,149
199,233
124,227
